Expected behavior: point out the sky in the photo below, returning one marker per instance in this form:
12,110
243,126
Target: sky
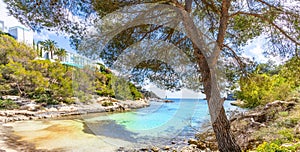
253,49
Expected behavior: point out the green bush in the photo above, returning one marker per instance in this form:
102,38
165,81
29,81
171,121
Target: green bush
275,147
287,135
8,104
46,98
265,85
259,89
106,104
270,147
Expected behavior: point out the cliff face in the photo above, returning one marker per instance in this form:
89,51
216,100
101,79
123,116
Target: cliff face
149,94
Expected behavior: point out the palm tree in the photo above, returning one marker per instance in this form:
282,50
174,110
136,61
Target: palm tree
61,53
50,46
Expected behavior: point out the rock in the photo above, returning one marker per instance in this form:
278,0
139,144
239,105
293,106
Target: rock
190,148
155,149
287,145
192,141
237,103
31,107
8,97
121,149
173,142
201,145
166,148
52,109
168,101
144,149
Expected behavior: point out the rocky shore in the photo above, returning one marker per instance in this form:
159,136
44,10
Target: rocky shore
248,126
30,110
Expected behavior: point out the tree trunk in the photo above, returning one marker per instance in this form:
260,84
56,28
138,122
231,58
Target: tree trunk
51,53
221,125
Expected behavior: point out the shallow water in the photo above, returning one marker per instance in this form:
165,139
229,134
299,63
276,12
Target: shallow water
157,125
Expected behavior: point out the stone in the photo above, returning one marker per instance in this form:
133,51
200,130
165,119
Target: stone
8,97
155,149
31,107
166,148
201,145
144,149
192,141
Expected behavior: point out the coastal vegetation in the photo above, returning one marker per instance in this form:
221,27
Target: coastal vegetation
268,83
230,25
49,82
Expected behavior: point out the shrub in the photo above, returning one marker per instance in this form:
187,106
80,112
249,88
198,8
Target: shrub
8,104
270,147
106,104
275,147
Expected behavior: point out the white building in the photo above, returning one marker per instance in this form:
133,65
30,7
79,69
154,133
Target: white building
2,26
22,35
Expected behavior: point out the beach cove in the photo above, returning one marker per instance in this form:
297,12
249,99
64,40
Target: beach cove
158,125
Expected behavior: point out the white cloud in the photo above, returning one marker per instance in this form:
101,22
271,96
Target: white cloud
255,49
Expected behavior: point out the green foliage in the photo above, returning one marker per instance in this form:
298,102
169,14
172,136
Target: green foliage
259,89
52,82
121,88
286,135
248,27
134,92
267,83
270,147
291,71
10,49
275,146
106,104
8,104
284,113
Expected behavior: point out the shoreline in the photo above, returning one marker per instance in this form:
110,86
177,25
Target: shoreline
9,141
36,111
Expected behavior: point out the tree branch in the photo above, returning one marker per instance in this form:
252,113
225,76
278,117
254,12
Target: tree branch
177,4
260,16
184,38
237,58
188,5
270,5
222,30
152,30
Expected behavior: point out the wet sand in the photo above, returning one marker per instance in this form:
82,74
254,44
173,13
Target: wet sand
53,135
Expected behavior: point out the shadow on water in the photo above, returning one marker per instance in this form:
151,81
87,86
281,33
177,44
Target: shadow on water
109,128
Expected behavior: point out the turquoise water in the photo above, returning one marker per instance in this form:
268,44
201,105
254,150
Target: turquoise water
159,123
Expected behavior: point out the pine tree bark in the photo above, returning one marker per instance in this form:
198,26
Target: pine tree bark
221,125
